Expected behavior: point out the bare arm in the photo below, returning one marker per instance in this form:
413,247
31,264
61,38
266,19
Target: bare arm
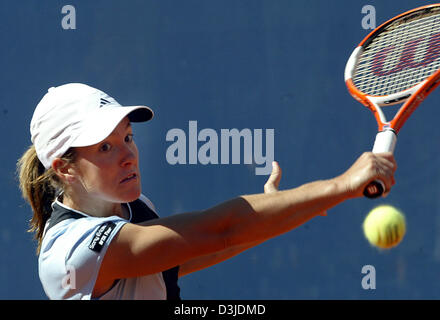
211,259
203,262
238,223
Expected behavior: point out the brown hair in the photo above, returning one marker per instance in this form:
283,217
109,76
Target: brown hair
39,187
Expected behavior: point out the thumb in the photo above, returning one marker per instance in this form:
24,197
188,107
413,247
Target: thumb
274,179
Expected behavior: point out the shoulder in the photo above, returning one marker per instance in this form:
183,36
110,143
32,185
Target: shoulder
72,230
75,247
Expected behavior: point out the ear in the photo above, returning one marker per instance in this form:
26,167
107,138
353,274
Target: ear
63,170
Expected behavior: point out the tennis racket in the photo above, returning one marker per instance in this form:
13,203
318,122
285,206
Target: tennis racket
398,62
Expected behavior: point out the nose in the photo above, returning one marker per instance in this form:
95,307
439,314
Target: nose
129,155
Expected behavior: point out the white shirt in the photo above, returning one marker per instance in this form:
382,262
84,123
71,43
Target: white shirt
72,251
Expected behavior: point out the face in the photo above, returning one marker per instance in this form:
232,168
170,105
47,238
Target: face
108,170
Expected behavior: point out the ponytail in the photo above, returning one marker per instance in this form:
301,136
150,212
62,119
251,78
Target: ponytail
39,187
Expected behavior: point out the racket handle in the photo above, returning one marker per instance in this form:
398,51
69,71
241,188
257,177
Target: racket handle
375,189
385,142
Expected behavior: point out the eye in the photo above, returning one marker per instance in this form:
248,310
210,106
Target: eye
128,138
105,147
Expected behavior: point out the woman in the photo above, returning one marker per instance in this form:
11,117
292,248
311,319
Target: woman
99,236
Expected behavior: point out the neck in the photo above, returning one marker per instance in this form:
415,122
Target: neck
95,207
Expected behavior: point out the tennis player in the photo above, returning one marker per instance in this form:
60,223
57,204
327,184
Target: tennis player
99,237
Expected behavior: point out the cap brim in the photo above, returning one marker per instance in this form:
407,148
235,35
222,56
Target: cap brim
102,122
140,113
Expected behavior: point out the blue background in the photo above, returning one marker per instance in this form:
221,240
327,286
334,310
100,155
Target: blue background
229,64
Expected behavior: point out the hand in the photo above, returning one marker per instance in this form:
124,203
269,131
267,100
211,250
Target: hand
368,167
273,182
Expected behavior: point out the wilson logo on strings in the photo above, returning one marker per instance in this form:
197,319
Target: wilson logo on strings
407,58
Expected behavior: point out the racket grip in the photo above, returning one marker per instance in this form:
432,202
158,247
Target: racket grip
385,142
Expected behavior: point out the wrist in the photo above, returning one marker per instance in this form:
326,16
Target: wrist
342,188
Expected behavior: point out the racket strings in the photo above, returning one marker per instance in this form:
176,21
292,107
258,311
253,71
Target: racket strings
404,54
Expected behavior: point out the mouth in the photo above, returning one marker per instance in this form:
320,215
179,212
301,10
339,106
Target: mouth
131,177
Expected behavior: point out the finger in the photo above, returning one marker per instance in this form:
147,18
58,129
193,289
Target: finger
384,169
388,185
274,179
387,159
386,175
387,155
381,167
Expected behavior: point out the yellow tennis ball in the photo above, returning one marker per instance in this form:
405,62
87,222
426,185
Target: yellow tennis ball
384,226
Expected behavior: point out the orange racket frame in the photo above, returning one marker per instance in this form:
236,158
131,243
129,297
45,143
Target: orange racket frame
387,130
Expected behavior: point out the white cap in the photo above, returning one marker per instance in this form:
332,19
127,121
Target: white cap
77,115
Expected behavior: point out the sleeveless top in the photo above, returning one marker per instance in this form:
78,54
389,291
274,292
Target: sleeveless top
74,245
